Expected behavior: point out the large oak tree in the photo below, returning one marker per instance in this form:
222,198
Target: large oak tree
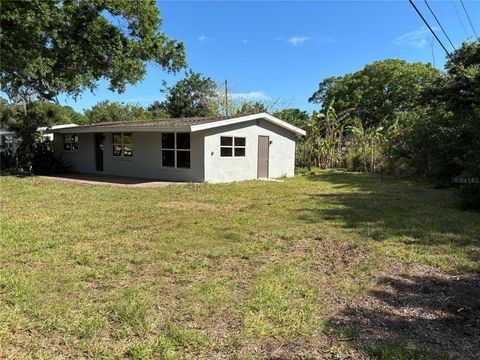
66,46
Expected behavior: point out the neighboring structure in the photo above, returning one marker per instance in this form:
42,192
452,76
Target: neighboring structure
8,141
191,149
47,132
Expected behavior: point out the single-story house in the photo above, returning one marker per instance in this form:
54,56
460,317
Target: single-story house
211,149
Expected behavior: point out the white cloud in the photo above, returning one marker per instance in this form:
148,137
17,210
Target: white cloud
417,38
294,40
204,38
257,95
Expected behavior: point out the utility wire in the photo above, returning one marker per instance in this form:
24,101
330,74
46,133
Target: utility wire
439,24
436,37
459,17
468,17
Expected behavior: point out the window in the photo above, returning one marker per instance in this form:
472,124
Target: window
70,142
232,146
122,144
176,150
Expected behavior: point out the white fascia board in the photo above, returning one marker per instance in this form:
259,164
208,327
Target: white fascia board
241,119
127,129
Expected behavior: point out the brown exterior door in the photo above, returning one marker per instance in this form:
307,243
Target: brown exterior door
263,147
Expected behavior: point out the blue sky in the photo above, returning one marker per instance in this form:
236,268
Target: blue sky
282,50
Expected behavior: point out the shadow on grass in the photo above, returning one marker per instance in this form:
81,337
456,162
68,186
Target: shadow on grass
421,316
412,214
412,312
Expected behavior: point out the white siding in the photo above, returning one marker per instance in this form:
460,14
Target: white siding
225,169
145,163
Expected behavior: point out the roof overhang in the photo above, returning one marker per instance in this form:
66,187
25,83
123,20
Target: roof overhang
93,129
183,128
241,119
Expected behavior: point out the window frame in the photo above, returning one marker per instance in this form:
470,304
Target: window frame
233,147
71,142
175,150
122,145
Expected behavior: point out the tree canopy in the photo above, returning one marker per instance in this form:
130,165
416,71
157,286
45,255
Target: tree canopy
293,116
118,111
378,92
194,95
53,47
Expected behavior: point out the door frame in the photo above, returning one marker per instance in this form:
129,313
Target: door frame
268,157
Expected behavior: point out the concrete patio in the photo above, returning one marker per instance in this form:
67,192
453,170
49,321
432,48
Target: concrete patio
110,180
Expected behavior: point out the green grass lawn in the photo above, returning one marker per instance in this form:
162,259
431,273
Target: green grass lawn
207,271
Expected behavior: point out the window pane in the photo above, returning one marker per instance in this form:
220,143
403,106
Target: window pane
74,146
127,151
226,141
240,141
117,150
183,159
226,151
240,151
168,140
183,141
67,146
127,145
75,138
168,158
117,138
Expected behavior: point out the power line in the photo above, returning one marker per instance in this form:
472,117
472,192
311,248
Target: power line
436,37
459,17
439,24
468,17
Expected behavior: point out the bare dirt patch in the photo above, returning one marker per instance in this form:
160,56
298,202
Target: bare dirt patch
429,310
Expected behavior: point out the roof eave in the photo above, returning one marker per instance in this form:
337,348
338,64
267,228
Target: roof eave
241,119
86,130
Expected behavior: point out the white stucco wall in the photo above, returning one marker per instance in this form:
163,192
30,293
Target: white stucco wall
146,161
225,169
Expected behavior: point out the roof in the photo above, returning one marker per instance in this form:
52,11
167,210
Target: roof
191,124
56,127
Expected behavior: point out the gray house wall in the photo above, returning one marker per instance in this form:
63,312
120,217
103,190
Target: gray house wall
146,161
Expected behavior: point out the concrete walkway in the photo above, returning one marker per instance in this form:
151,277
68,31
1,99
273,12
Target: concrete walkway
110,180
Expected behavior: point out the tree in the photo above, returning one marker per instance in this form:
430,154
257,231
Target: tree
54,47
115,111
379,92
193,96
249,107
65,46
443,140
296,117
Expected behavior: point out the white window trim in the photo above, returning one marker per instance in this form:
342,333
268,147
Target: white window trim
233,147
122,157
71,142
175,150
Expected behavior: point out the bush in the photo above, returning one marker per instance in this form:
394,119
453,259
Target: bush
44,160
354,161
470,196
